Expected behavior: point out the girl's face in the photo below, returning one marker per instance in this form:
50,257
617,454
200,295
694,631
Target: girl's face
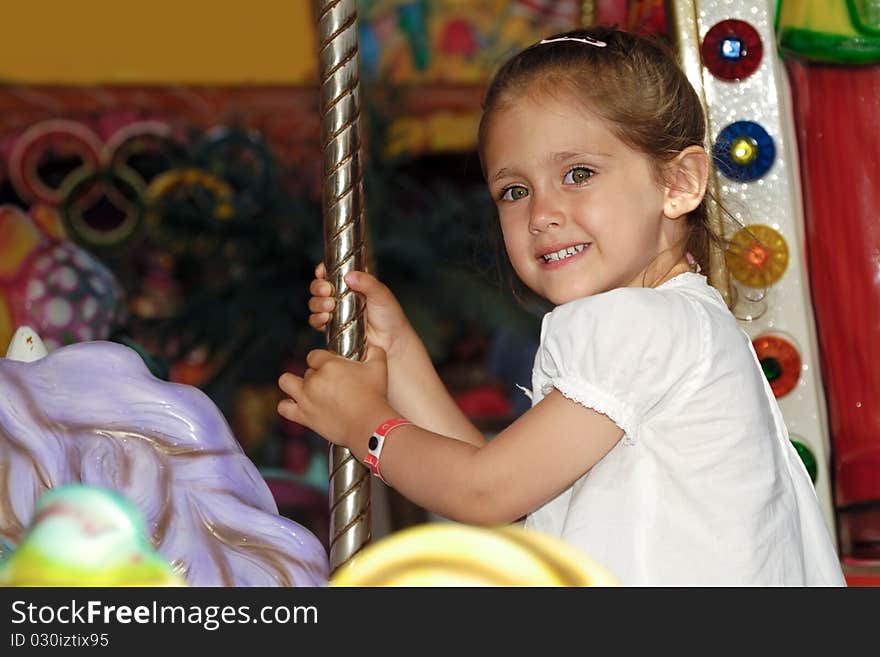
581,212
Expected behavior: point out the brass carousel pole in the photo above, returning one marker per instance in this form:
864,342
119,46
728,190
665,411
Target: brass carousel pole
684,27
344,250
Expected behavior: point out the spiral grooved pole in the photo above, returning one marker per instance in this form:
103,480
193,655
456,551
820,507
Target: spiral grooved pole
344,250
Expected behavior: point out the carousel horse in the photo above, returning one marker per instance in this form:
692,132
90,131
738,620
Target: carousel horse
92,413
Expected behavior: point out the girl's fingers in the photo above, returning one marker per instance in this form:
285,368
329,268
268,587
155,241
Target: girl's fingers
288,410
318,357
369,286
319,320
321,305
291,385
321,288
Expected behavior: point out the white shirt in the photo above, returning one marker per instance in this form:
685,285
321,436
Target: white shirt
705,487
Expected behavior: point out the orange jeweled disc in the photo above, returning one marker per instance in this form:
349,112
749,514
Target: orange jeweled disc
780,361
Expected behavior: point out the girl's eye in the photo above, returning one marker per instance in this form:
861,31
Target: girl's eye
514,193
578,176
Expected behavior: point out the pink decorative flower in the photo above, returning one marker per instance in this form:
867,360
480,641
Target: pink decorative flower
51,284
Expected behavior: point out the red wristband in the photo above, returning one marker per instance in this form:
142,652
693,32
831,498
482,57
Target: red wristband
377,440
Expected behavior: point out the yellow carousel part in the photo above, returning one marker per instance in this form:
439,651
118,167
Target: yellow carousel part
588,12
840,31
757,256
224,211
18,239
37,572
744,150
439,133
49,220
817,15
82,535
6,328
449,554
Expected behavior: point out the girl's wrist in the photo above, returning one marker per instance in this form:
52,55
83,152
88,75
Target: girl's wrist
369,420
403,344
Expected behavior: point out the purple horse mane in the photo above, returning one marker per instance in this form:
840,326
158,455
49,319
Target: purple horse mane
92,412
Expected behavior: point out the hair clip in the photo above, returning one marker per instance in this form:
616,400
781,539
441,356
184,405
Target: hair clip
692,263
587,40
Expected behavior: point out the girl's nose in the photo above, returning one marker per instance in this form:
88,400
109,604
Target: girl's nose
545,214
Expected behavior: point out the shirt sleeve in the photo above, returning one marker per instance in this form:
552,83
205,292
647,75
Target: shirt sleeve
621,353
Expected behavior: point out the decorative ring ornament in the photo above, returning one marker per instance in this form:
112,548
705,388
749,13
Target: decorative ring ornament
59,140
205,192
732,50
183,203
145,148
241,159
744,151
780,361
120,188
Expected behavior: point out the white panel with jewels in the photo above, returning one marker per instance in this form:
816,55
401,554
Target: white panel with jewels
751,130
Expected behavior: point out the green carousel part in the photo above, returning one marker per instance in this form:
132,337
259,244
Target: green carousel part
413,21
808,458
841,32
86,536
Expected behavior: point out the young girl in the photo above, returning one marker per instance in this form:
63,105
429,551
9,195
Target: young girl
654,442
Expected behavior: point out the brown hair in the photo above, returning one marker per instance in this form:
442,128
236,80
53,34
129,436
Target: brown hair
633,82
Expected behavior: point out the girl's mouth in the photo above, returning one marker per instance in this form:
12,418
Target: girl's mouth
563,254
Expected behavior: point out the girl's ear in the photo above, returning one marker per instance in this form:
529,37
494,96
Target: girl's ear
687,177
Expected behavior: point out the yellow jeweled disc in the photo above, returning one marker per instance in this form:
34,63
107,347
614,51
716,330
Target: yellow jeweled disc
757,256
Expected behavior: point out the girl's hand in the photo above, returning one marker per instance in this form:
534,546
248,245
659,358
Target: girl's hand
340,399
387,325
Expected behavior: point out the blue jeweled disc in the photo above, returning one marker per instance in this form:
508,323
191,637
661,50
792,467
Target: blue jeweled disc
743,151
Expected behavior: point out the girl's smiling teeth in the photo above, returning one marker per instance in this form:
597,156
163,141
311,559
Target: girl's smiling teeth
563,253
